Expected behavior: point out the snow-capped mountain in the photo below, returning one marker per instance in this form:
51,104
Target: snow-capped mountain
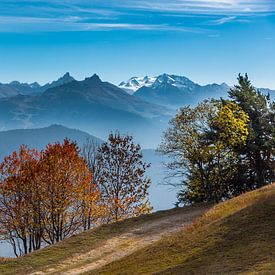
180,82
135,83
174,91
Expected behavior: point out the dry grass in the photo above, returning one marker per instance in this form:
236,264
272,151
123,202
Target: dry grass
234,237
76,245
227,208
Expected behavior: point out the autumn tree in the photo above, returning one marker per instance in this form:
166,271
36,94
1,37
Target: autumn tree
65,184
45,196
122,178
20,201
231,125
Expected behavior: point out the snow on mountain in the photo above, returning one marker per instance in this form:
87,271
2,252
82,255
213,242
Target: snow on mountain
180,82
174,91
135,83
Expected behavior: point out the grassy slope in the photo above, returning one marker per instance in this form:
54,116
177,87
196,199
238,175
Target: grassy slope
80,243
237,236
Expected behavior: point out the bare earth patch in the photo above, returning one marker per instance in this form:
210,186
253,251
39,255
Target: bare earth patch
118,247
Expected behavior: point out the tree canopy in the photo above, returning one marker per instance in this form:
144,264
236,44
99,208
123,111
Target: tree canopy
122,178
222,148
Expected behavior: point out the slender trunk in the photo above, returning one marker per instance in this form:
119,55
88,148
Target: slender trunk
25,245
259,170
30,243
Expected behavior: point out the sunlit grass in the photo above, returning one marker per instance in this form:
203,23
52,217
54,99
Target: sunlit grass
233,237
75,245
236,236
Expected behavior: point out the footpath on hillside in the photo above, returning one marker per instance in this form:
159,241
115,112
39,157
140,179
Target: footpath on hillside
125,244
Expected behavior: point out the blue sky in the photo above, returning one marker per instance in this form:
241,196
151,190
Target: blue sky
207,41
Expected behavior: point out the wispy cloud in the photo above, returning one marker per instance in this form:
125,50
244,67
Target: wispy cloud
74,23
228,19
224,20
187,6
202,6
145,27
36,20
177,15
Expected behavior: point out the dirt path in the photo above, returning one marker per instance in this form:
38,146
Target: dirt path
125,244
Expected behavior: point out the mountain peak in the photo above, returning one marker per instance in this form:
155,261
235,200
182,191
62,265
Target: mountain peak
65,78
164,78
15,82
135,83
94,79
35,85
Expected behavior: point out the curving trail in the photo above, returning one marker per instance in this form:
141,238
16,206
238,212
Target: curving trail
132,240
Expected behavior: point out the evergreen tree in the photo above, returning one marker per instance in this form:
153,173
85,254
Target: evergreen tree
256,158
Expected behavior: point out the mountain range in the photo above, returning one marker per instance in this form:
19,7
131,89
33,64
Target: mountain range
174,91
141,106
91,105
16,88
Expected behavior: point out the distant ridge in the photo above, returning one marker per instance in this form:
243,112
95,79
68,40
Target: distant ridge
39,138
15,87
99,107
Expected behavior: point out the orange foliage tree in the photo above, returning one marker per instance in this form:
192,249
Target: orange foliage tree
50,195
20,201
67,190
45,197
